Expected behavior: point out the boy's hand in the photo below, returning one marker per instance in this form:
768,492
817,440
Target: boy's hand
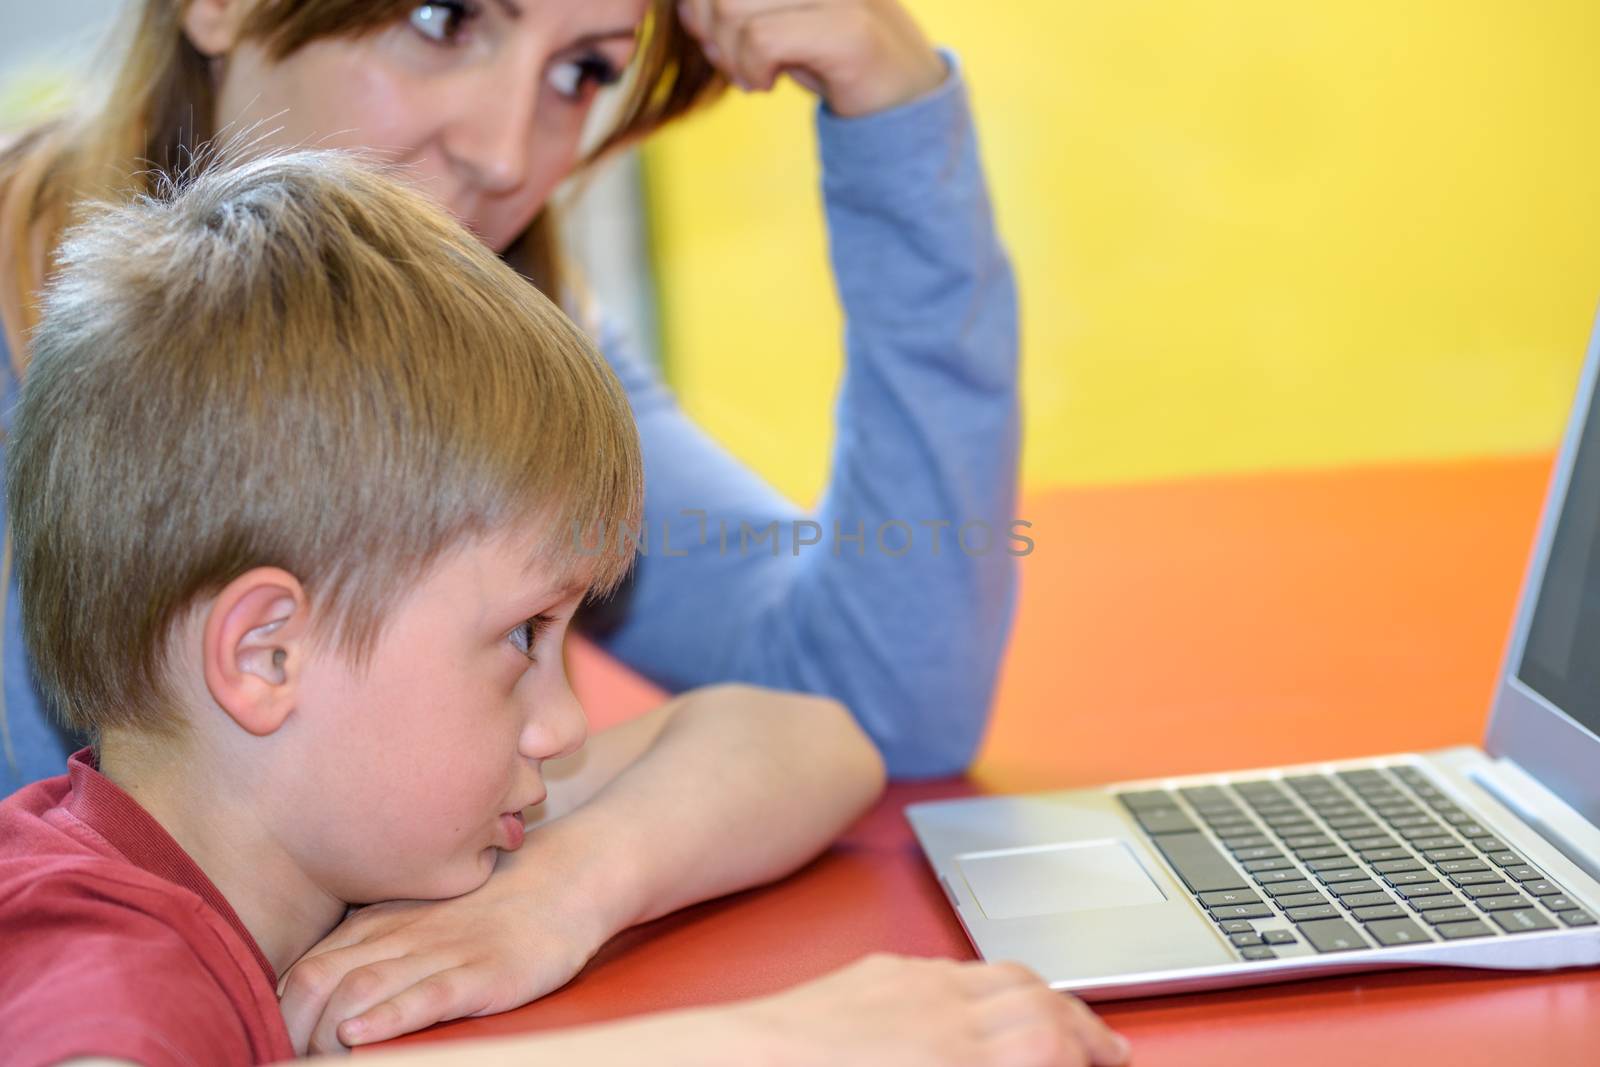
396,967
861,56
888,1011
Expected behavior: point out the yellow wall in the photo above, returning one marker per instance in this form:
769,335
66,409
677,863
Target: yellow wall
1249,235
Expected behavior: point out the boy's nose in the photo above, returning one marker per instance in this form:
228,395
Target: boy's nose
558,727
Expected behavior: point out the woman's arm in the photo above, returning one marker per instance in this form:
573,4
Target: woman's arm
718,790
927,436
32,744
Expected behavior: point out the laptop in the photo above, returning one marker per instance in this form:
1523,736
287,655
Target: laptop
1464,857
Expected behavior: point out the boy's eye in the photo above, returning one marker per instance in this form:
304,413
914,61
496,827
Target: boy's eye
573,78
441,21
525,638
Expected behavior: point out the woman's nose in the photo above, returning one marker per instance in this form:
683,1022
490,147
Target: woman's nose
491,139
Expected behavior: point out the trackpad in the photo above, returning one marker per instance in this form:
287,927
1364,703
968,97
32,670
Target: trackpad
1054,878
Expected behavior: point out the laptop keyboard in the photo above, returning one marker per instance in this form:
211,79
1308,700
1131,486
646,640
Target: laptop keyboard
1357,859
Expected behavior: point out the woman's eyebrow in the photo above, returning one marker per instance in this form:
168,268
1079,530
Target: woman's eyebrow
628,32
514,10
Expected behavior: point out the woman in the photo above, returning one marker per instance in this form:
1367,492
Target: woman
483,102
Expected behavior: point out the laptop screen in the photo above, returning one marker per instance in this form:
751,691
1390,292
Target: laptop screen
1561,658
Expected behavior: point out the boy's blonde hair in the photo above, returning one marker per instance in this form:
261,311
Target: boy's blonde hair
293,362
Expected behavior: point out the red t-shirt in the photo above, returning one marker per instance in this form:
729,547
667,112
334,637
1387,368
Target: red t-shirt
114,943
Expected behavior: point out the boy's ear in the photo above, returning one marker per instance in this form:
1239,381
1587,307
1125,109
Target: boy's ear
254,647
212,26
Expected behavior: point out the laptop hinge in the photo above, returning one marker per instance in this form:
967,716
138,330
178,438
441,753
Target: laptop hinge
1545,813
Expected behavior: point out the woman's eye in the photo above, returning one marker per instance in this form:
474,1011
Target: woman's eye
441,20
573,78
525,638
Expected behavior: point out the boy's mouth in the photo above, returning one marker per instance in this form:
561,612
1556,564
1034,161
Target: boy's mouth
512,831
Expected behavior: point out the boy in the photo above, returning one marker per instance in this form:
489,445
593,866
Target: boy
293,481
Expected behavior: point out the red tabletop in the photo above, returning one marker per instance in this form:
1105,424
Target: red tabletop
1165,629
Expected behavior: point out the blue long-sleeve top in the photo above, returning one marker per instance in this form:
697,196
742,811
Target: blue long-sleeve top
906,626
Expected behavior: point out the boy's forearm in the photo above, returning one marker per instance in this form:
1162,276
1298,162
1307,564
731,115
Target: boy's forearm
740,786
712,1037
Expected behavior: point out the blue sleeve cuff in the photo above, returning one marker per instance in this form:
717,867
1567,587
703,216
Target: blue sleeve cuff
888,148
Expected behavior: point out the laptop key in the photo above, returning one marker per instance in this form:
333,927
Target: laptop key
1332,935
1422,889
1558,903
1379,855
1332,863
1439,855
1288,874
1319,911
1411,877
1229,896
1476,878
1462,866
1541,887
1396,866
1234,842
1241,911
1300,900
1198,863
1319,852
1347,889
1379,911
1154,821
1258,952
1278,864
1414,833
1147,798
1522,872
1264,852
1397,932
1511,903
1456,931
1343,874
1245,940
1280,937
1220,804
1428,844
1577,918
1518,922
1493,889
1448,915
1291,817
1359,832
1237,926
1365,900
1486,844
1505,859
1365,845
1331,808
1435,903
1286,889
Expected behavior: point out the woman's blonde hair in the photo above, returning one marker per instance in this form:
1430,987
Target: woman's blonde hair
156,106
291,362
